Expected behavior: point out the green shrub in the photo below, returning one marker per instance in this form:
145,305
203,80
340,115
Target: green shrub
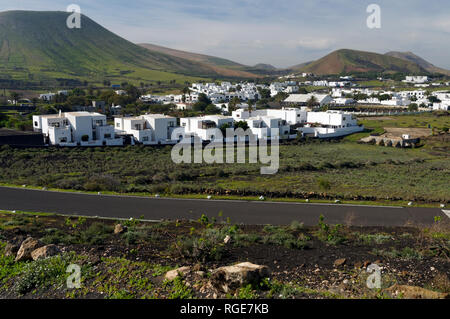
323,184
42,273
56,236
281,237
405,253
369,239
96,234
209,246
177,289
296,226
102,183
133,236
247,292
329,234
9,269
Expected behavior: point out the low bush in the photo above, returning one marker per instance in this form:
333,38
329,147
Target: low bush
42,274
330,234
281,237
96,234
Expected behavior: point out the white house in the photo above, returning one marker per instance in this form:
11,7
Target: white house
443,106
416,79
76,129
205,127
240,114
148,129
291,89
419,94
183,106
331,124
268,127
291,115
320,83
47,96
343,101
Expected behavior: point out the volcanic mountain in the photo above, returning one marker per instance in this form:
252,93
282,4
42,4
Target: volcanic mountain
39,43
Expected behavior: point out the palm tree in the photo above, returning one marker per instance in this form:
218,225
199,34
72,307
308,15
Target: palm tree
186,90
312,101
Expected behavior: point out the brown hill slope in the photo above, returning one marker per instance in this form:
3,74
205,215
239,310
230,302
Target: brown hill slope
221,66
346,61
409,56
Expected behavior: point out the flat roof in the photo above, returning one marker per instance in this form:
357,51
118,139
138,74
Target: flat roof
158,116
83,113
133,118
48,115
302,98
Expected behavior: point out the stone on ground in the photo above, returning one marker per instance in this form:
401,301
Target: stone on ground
120,229
45,252
171,275
26,248
230,278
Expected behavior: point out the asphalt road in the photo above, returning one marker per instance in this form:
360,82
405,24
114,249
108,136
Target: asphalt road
245,212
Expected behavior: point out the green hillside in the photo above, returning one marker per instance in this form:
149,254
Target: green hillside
38,45
347,61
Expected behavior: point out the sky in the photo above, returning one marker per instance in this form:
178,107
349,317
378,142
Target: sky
278,32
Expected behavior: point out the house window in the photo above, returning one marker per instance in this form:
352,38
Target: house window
107,135
145,139
118,125
36,124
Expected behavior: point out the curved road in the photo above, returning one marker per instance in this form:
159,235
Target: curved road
246,212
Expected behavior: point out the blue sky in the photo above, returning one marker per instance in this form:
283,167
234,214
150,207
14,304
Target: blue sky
279,32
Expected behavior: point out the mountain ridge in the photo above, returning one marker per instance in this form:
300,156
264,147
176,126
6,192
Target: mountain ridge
410,56
348,61
39,42
213,61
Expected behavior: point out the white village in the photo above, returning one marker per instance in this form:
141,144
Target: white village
301,114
